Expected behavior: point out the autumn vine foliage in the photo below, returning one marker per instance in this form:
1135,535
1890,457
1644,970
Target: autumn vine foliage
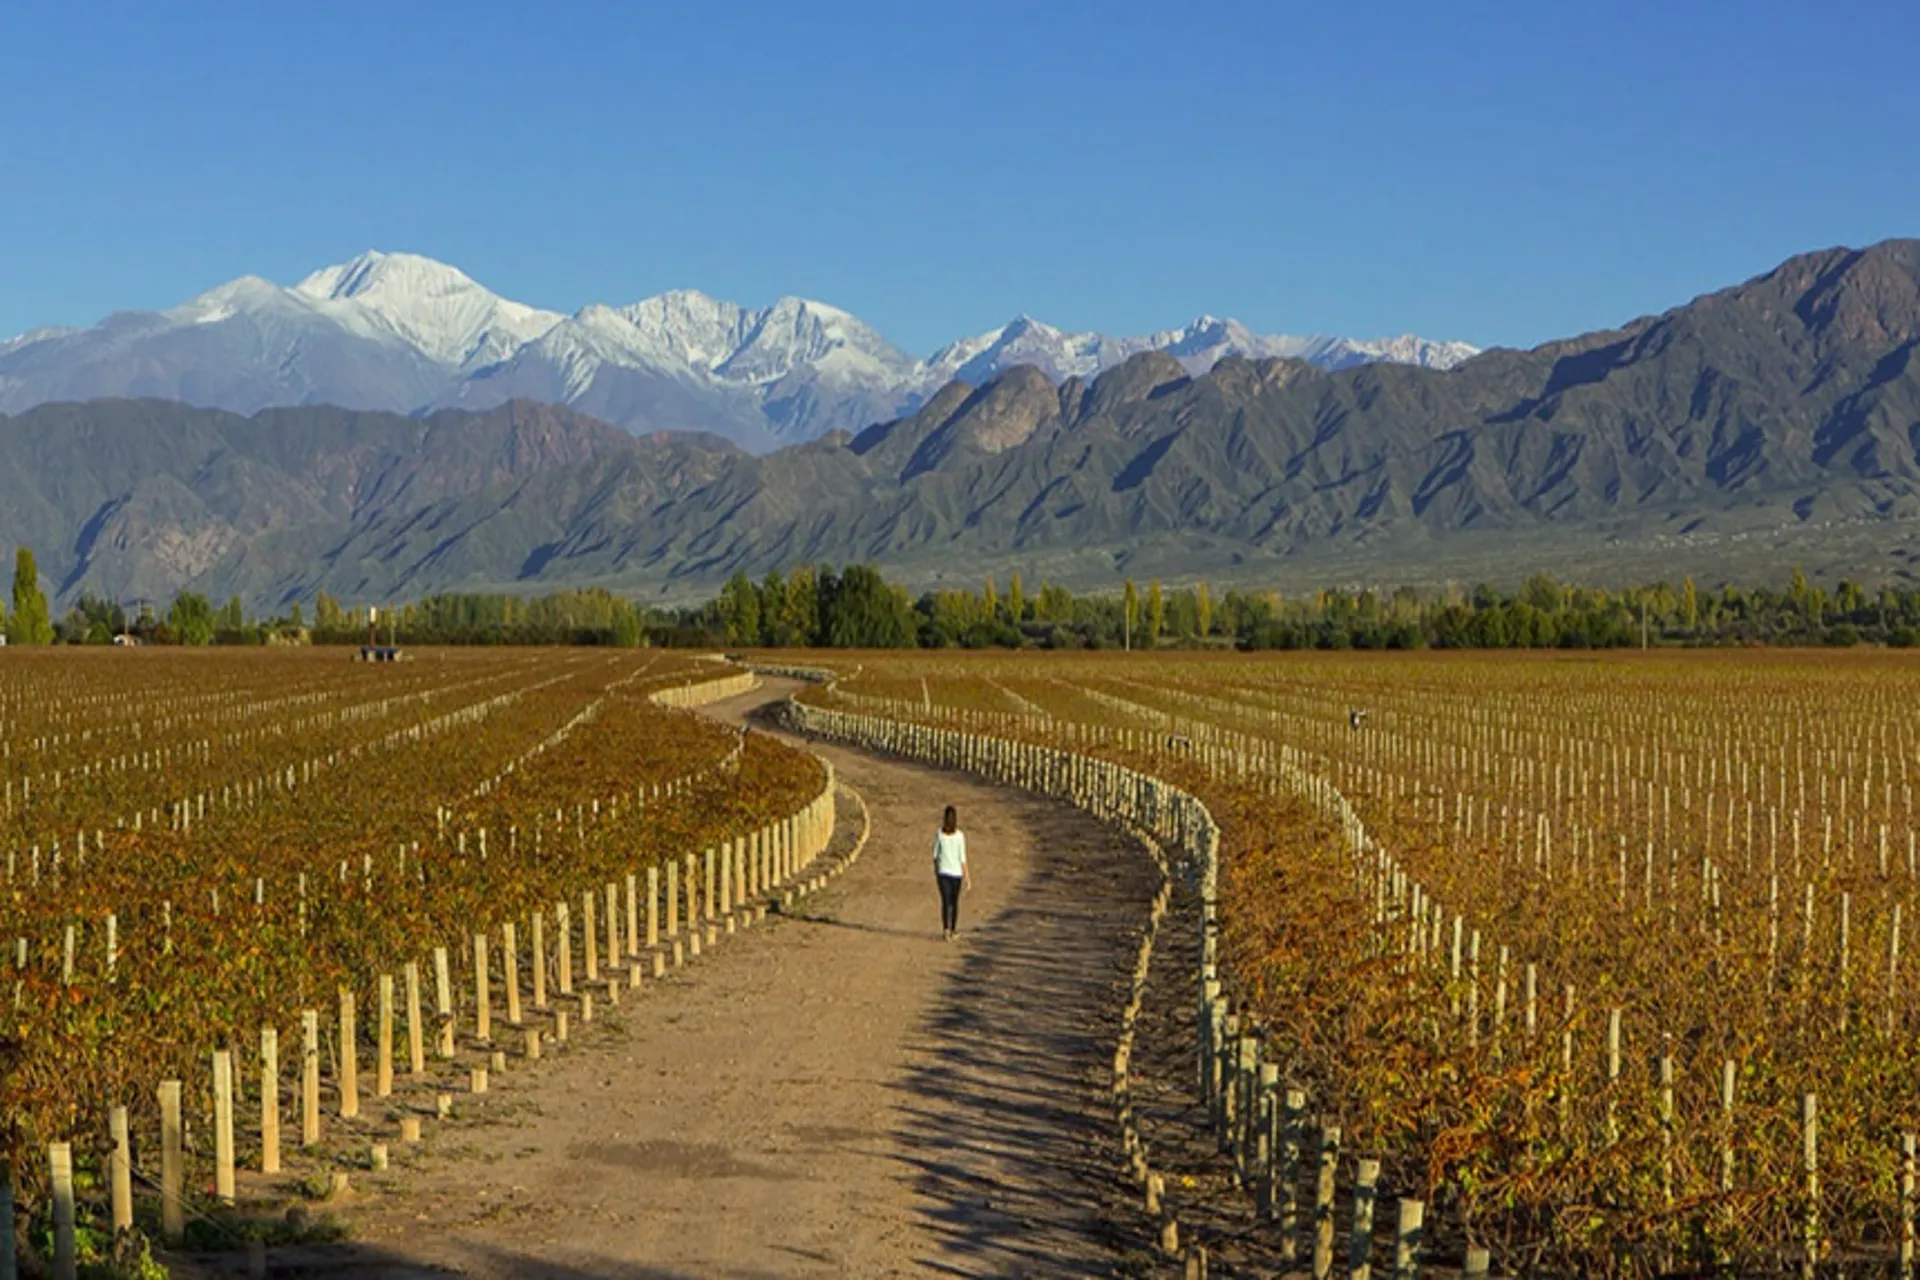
202,844
1644,915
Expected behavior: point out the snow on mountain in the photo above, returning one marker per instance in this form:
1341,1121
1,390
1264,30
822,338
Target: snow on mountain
403,332
32,336
794,333
254,301
1025,340
681,328
687,331
435,308
1198,347
1409,349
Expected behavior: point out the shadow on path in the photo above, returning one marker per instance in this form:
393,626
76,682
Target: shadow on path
1004,1120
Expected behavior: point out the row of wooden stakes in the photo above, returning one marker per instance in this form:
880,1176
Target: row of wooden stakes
776,864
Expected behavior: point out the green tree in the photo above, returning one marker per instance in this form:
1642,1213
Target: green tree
802,615
1542,592
32,621
773,610
234,616
955,613
861,610
1797,589
740,607
1016,601
1156,612
1850,599
626,625
1689,604
191,618
990,599
1203,609
1130,606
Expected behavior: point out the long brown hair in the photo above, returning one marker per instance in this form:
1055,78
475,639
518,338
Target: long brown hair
950,820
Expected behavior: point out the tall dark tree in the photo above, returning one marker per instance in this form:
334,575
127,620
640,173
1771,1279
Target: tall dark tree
863,611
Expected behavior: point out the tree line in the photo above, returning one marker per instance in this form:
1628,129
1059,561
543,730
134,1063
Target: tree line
785,609
819,606
591,617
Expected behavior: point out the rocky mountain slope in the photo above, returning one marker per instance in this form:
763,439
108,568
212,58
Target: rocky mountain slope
405,333
1773,423
134,499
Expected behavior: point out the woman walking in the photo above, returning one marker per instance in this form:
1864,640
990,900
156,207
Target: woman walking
950,871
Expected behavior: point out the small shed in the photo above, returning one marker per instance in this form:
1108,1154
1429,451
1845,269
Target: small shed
379,653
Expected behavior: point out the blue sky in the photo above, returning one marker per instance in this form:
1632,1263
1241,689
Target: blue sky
1503,173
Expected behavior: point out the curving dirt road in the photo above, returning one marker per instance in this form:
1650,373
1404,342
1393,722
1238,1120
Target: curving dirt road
837,1094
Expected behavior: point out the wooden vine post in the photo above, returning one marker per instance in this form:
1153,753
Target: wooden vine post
173,1175
309,1077
443,1002
383,1047
60,1173
653,907
223,1180
269,1100
482,995
416,1031
510,962
1329,1165
349,1057
120,1172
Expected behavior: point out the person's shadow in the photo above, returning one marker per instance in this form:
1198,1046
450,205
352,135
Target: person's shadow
1008,1130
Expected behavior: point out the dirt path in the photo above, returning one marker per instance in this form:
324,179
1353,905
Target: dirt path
837,1094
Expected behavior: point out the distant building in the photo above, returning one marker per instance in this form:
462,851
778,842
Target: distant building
379,653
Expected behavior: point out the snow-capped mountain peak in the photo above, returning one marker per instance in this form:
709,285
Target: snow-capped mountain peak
688,332
405,332
437,309
374,273
684,326
797,333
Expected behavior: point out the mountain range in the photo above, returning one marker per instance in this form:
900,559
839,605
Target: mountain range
407,334
1773,423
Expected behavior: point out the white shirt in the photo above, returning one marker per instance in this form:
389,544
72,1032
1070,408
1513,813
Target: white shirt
950,853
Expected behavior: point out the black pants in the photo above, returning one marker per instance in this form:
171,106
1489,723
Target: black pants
949,902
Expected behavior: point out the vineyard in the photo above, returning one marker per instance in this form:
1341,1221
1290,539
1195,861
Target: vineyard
230,877
1600,963
1600,960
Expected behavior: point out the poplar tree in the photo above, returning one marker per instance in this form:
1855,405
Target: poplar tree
32,621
